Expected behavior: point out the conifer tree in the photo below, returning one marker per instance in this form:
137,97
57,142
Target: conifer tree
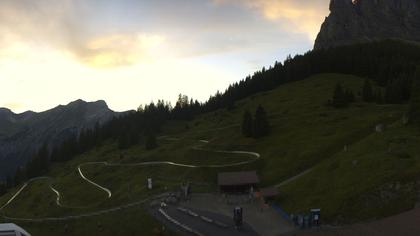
44,159
39,165
414,112
133,137
339,98
261,125
247,124
394,92
367,93
9,182
20,175
379,98
349,96
3,188
150,141
124,140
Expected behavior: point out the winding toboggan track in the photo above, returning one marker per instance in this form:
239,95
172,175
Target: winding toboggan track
253,157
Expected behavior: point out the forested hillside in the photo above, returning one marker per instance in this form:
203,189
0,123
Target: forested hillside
390,64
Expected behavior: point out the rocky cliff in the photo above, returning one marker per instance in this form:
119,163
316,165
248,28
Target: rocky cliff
368,20
22,134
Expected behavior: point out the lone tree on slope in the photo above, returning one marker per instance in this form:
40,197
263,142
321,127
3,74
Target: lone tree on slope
247,124
261,125
339,98
255,127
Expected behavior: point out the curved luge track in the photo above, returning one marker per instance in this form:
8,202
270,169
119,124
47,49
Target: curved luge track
254,157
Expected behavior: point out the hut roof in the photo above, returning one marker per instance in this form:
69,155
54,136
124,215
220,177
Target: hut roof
237,178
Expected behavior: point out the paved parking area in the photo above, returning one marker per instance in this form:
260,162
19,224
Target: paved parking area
199,225
266,222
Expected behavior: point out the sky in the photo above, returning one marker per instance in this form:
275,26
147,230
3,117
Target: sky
132,52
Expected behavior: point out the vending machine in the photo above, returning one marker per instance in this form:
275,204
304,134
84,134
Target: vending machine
316,217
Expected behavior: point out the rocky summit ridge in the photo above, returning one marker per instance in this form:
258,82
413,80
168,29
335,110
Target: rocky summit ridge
359,21
22,134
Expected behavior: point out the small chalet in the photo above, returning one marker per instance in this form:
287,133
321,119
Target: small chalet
237,182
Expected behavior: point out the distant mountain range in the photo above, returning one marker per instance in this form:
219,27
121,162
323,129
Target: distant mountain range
22,134
361,21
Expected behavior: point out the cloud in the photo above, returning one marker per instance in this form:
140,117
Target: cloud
41,20
294,15
69,26
120,50
105,33
26,24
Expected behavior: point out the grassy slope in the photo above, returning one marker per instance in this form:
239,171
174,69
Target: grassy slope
305,133
375,178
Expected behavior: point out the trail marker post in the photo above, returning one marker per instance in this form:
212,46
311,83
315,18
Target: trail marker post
149,183
238,217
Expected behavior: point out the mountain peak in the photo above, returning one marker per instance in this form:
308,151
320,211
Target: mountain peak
101,103
80,102
359,21
4,110
77,102
341,4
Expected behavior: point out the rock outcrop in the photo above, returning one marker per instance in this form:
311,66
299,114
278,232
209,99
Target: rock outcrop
361,21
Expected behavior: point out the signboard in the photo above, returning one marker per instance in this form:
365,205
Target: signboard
149,183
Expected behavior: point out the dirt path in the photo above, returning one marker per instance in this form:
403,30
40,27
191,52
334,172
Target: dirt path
293,178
